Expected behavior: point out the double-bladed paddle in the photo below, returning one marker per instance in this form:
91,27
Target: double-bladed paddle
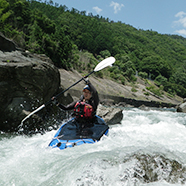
105,63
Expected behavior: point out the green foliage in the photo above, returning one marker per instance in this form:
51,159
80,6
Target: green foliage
143,74
173,88
133,89
122,79
146,93
114,72
155,65
5,16
160,80
64,35
155,90
105,53
99,74
180,76
129,73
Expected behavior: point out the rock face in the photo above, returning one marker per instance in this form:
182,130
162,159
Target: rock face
182,107
29,80
6,44
26,82
112,93
109,114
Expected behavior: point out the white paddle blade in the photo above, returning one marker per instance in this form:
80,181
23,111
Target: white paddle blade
38,109
105,63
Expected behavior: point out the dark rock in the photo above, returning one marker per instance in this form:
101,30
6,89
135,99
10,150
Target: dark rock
26,82
6,44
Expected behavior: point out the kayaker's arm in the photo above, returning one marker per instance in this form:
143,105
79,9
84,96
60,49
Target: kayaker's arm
95,96
68,107
94,99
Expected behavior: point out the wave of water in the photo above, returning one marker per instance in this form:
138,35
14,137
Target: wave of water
147,148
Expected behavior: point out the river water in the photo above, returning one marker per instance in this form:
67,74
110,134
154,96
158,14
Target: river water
147,148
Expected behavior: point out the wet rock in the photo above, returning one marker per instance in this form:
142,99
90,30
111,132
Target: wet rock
152,168
182,107
26,82
143,107
109,114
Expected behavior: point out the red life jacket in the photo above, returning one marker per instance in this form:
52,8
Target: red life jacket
83,110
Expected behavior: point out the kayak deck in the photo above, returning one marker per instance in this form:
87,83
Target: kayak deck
71,134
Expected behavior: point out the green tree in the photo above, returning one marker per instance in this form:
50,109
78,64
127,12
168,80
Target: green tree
5,12
180,76
63,49
143,75
155,65
160,80
105,53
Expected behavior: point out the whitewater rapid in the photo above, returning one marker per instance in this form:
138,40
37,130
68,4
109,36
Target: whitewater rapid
147,148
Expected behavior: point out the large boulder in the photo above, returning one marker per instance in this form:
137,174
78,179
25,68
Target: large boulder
26,82
110,115
182,107
6,44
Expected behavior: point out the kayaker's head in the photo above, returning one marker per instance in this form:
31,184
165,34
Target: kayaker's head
86,92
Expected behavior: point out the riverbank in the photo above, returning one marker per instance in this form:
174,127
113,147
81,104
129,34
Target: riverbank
112,93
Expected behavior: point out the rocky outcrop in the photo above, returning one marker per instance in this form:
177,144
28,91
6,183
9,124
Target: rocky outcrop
6,44
110,115
26,82
29,80
182,107
112,93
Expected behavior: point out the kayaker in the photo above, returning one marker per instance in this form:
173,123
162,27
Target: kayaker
85,108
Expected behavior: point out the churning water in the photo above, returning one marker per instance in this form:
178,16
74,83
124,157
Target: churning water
148,148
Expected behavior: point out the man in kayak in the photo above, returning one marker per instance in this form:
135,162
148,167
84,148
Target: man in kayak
85,108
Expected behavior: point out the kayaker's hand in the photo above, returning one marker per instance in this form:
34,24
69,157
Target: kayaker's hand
54,100
86,80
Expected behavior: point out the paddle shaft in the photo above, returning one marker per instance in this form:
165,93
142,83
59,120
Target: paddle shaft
47,103
106,62
69,88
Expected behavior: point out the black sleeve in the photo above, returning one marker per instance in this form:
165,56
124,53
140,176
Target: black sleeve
95,97
68,107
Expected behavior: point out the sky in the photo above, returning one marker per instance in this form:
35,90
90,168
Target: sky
162,16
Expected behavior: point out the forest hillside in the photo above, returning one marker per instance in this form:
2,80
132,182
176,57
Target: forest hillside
76,40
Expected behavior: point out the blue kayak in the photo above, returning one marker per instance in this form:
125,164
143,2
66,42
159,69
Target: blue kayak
72,133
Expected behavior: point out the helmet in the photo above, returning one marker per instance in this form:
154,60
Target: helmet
86,87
